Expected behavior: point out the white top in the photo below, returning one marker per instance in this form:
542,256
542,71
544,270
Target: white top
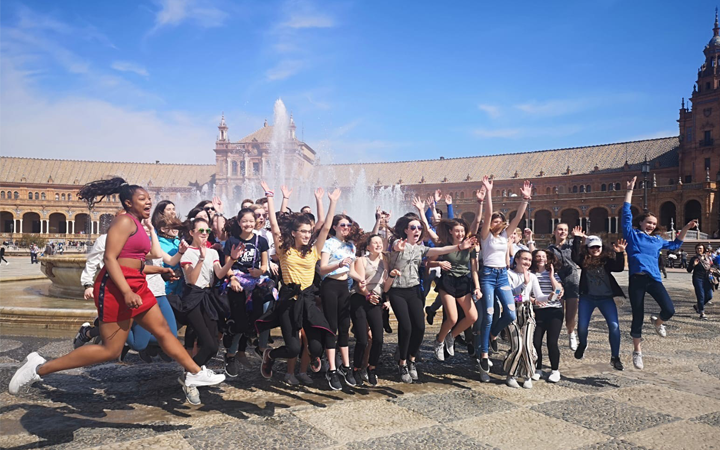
190,259
532,289
155,281
267,234
338,251
95,261
494,250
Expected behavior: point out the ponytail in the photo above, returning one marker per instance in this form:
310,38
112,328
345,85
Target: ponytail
96,191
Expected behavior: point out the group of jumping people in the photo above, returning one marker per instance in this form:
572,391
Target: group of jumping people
231,281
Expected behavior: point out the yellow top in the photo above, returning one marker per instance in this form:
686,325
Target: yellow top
298,269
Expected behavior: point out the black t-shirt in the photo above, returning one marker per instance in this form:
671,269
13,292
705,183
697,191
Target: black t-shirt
252,256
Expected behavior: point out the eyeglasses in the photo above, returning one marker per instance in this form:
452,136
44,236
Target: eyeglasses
209,208
344,225
262,215
416,227
204,230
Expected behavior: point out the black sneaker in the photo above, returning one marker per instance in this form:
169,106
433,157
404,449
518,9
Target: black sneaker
460,340
231,367
412,370
372,377
152,350
386,322
430,315
580,352
82,337
333,380
267,364
258,352
405,374
696,308
145,356
124,353
493,345
347,374
471,350
164,356
485,364
615,362
357,376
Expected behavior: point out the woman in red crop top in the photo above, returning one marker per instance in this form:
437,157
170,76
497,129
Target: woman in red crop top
121,294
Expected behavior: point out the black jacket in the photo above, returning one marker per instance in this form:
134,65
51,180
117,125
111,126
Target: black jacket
611,265
304,312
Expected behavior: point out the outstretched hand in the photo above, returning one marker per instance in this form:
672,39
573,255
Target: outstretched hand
631,183
620,245
480,194
218,205
183,246
319,193
334,195
237,250
438,195
448,199
419,204
487,183
578,231
526,190
286,191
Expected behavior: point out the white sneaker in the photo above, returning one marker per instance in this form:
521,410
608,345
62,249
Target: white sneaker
305,378
659,329
537,375
573,338
490,363
484,377
26,375
512,382
291,379
527,384
554,376
192,394
450,344
638,361
439,348
205,377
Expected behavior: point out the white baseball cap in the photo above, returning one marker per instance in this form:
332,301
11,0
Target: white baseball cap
593,241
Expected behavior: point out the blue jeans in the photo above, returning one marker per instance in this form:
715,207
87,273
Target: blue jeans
139,338
493,283
608,309
703,292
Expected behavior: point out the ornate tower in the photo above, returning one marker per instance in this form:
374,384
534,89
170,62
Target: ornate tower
223,130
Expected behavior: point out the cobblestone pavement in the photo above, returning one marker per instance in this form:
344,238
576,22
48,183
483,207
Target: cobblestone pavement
19,267
673,404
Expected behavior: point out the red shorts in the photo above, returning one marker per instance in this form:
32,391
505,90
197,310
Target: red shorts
110,302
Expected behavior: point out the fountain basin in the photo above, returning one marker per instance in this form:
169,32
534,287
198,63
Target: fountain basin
64,272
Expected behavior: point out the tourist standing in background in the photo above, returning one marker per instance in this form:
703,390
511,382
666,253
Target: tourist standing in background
699,266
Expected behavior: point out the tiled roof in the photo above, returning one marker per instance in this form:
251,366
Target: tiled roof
56,171
264,135
661,152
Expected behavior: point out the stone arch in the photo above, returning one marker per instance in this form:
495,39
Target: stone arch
82,223
31,222
561,189
523,222
668,212
588,188
543,222
105,220
603,187
570,216
693,210
57,223
548,190
598,220
7,222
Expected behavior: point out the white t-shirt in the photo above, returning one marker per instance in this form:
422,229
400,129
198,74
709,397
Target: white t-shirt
267,234
494,250
190,259
532,289
155,281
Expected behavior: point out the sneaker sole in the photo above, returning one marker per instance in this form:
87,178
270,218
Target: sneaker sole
207,383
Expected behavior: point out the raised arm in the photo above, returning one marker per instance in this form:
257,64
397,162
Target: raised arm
526,192
464,245
626,212
578,238
274,227
692,224
286,198
378,218
219,221
480,194
322,236
485,229
448,202
319,193
420,206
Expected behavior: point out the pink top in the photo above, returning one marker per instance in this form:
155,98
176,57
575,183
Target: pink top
138,244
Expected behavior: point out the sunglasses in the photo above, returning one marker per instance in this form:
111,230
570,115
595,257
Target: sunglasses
204,230
209,208
344,225
416,227
262,215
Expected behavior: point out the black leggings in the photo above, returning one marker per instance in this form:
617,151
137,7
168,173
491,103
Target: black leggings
407,304
548,320
206,331
364,314
335,297
291,336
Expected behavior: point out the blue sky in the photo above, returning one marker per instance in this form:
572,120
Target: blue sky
366,80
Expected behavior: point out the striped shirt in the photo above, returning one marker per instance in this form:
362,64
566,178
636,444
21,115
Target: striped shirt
298,269
547,288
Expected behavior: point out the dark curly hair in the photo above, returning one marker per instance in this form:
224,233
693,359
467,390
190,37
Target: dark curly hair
289,222
552,260
593,262
402,223
96,191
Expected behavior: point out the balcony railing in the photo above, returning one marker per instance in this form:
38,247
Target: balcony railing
706,142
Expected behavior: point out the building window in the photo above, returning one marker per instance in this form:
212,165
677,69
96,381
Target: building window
63,197
29,195
16,194
707,86
256,168
574,189
672,181
242,168
707,163
37,196
617,186
57,197
2,195
588,188
688,179
234,168
547,191
42,196
603,187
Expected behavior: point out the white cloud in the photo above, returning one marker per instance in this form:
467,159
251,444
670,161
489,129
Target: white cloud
491,110
78,127
556,107
284,69
298,21
127,66
201,12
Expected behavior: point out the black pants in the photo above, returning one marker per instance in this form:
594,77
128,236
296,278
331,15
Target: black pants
291,337
206,331
639,285
407,304
548,320
365,314
335,297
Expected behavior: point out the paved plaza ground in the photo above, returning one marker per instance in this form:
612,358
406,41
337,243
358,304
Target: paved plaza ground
673,404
